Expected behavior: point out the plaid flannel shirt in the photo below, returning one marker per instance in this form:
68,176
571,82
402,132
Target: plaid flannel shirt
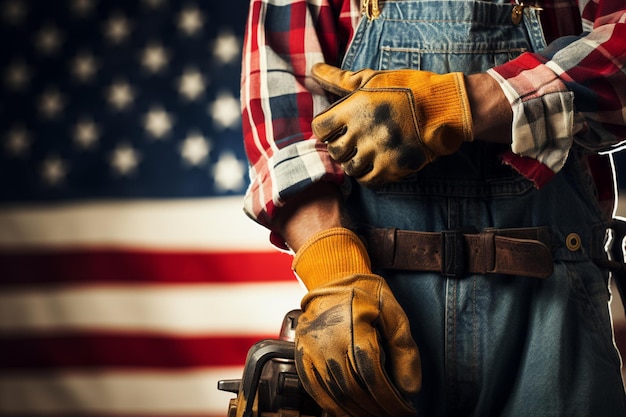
573,91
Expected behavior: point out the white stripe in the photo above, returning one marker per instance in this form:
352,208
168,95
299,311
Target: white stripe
235,309
145,393
217,224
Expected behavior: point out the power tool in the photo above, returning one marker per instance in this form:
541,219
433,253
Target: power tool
270,386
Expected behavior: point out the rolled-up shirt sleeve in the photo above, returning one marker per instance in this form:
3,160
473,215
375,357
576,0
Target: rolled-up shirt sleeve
279,98
571,93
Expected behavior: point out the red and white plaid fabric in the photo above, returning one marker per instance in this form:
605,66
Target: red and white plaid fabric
573,90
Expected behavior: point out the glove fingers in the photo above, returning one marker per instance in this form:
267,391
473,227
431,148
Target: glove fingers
345,380
337,81
372,338
348,395
405,364
341,349
355,155
356,159
385,395
358,166
332,124
342,150
403,353
378,383
329,390
356,397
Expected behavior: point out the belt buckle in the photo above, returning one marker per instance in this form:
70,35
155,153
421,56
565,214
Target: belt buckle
453,262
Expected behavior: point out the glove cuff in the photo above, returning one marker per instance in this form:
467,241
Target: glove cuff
447,115
331,255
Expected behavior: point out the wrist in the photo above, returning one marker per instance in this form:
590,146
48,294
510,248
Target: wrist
331,255
491,112
448,113
318,208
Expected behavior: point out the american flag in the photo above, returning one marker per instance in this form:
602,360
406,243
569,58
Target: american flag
130,279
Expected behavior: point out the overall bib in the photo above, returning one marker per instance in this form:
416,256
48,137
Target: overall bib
492,345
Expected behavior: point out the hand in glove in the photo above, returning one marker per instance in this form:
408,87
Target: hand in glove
389,124
354,351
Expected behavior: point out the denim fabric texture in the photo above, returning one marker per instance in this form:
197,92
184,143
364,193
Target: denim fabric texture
492,345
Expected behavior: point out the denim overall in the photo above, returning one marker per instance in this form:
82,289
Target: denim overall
492,345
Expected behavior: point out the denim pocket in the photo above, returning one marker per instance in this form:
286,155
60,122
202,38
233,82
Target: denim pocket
590,296
455,58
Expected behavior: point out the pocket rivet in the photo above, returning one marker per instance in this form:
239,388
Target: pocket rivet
573,242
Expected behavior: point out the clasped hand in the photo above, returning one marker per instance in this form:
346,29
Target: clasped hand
354,350
389,124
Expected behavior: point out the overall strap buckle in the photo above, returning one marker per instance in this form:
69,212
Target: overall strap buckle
371,9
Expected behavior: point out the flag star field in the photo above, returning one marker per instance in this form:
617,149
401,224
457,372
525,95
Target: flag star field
130,279
101,98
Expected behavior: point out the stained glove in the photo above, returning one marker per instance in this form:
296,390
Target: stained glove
354,351
389,124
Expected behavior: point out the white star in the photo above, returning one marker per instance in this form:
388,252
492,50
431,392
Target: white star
120,94
228,173
117,28
191,84
225,110
124,159
84,67
195,149
14,12
48,40
158,123
154,58
53,170
17,75
82,8
190,20
86,134
17,142
226,48
51,104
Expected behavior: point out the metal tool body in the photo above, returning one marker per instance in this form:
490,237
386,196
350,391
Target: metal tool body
270,386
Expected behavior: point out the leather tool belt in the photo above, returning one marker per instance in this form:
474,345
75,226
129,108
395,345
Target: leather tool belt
524,251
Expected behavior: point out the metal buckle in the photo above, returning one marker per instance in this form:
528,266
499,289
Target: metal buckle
453,263
371,9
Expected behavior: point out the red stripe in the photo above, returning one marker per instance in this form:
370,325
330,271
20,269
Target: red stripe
136,266
98,350
128,351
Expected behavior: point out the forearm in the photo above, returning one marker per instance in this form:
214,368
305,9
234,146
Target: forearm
491,112
318,208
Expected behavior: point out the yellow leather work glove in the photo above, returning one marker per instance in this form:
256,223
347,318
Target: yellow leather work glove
354,351
389,124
